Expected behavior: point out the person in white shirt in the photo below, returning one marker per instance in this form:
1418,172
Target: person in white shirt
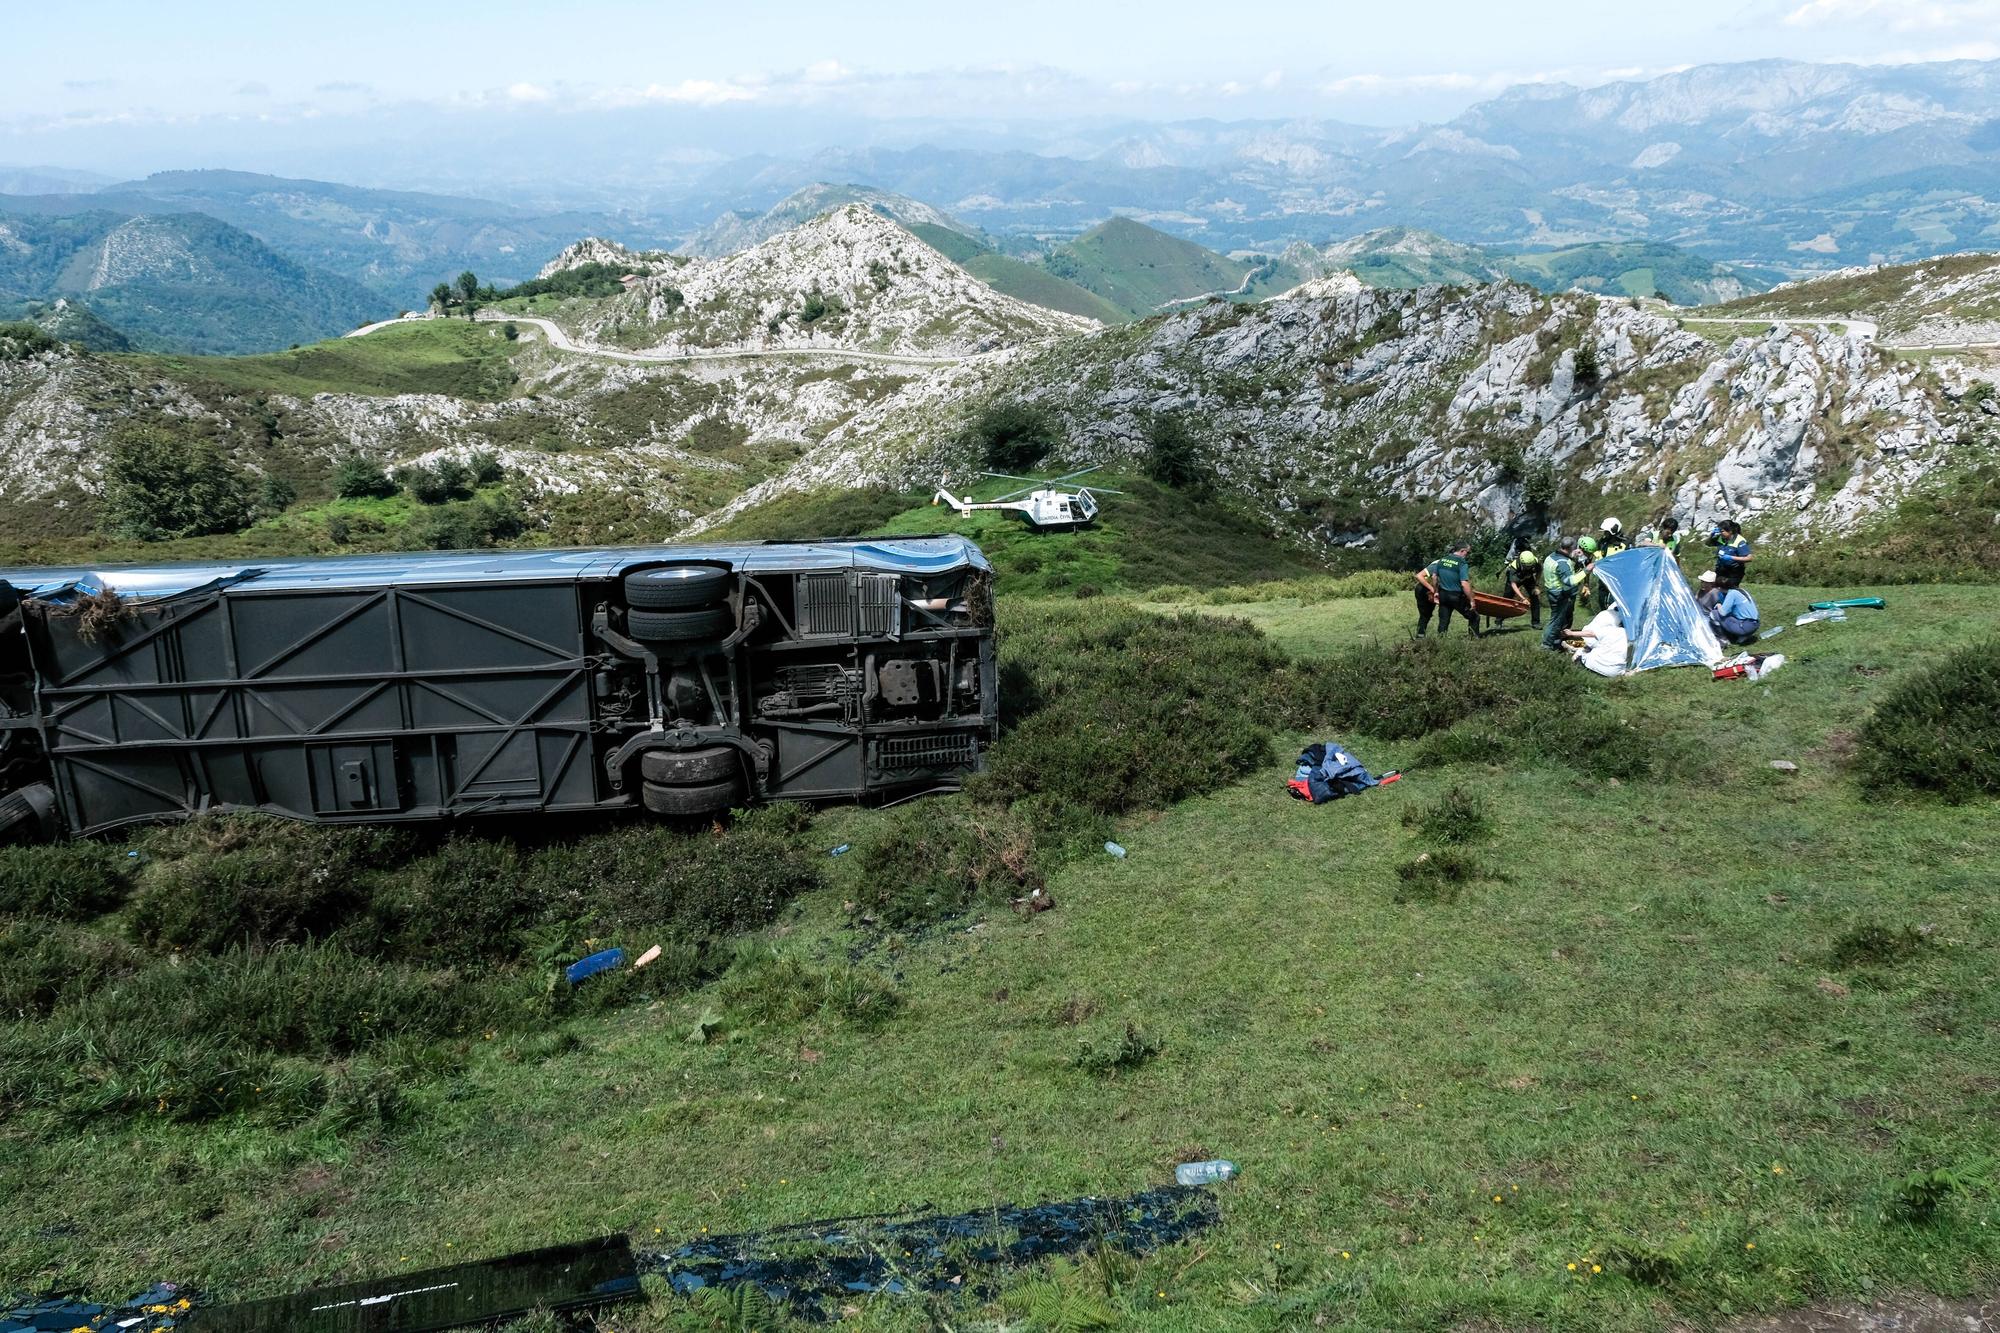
1603,645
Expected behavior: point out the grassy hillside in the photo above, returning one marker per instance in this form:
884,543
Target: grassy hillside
1014,277
177,281
457,357
1648,1065
1951,293
1637,268
1148,537
1139,269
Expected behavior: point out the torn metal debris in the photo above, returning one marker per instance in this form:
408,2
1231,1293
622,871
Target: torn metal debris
812,1266
162,1308
583,1276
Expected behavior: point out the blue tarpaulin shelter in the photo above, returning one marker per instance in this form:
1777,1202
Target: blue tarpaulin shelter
1666,624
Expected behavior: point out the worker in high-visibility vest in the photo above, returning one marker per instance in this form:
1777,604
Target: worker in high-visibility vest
1522,580
1562,576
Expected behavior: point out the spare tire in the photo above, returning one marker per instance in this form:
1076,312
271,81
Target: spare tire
28,815
707,799
683,768
681,626
676,587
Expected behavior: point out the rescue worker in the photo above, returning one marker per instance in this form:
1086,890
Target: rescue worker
1445,586
1732,553
1611,538
1523,579
1730,610
1585,556
1561,577
1670,535
1610,541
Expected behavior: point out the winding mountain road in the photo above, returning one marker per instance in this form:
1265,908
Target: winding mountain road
559,338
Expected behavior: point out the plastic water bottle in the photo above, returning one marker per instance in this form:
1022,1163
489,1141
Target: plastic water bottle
1115,850
1204,1173
840,850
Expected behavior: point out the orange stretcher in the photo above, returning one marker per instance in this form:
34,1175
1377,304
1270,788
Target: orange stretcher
1495,607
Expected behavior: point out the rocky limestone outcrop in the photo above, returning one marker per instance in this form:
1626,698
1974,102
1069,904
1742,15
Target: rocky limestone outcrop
1316,405
848,280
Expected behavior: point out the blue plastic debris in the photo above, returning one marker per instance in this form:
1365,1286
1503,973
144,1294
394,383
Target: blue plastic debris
162,1308
838,850
812,1267
591,966
1115,850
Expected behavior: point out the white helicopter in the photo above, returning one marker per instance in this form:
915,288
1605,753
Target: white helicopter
1042,504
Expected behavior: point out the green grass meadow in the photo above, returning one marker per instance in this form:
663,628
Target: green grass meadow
1636,1063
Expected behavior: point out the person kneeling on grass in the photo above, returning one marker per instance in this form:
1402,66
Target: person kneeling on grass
1730,610
1602,645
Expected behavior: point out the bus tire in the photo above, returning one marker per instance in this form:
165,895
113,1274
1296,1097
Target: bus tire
687,768
681,626
709,798
676,587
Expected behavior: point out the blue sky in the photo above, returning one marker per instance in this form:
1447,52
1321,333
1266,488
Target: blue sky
112,65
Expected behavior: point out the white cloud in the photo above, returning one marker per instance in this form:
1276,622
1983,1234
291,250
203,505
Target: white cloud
528,92
826,71
698,92
1899,15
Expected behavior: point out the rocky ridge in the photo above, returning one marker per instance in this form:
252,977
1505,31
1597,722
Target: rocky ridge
1320,406
847,280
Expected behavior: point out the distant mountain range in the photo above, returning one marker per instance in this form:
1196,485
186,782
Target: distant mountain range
180,282
1792,166
1702,185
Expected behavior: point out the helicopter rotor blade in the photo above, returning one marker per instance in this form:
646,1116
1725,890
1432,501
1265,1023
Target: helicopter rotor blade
1009,476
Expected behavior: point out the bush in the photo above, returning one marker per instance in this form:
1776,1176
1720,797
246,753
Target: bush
1114,709
20,340
358,478
466,525
159,486
63,881
930,860
1437,877
43,964
250,882
1171,456
1131,1049
1872,944
769,986
485,467
1457,817
1012,437
275,495
435,483
1938,729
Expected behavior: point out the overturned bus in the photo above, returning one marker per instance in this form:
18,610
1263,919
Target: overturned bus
680,679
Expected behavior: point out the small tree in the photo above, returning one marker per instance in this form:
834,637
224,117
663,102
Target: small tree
1588,373
485,467
1171,456
159,485
359,478
1012,437
468,286
276,495
510,330
441,297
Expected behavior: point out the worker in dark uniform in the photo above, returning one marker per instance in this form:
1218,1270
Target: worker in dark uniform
1732,553
1523,579
1445,586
